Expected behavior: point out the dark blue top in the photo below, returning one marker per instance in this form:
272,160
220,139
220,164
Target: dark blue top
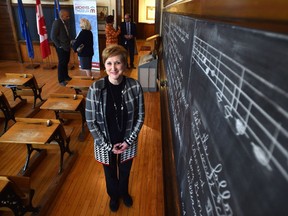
85,37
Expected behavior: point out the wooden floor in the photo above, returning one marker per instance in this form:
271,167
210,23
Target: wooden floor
84,191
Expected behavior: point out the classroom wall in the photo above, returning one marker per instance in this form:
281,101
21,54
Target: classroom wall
48,11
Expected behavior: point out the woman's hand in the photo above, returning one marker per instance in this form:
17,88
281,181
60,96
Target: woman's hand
119,148
72,42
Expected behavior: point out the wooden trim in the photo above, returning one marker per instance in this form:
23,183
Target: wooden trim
118,12
265,15
13,23
37,54
171,189
158,15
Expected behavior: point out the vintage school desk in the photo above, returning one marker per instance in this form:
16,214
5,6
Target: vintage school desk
31,131
67,103
81,83
16,195
22,85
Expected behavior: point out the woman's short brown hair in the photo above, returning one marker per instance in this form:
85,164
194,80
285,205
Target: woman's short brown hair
115,50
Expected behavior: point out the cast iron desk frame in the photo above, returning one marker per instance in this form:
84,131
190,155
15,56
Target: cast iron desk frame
29,126
14,81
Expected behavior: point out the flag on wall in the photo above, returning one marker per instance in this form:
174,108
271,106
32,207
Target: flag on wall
42,31
24,29
56,9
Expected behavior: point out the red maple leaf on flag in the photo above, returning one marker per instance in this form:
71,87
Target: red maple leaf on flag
42,31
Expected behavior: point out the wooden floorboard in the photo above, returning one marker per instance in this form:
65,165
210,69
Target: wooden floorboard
84,190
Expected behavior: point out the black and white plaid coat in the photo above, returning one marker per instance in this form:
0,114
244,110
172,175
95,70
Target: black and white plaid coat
95,112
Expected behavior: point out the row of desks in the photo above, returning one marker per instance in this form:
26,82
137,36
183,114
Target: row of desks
79,83
30,131
37,133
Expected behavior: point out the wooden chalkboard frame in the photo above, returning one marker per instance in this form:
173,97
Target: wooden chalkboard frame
264,15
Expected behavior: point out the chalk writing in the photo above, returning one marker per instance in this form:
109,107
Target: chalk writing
234,94
228,104
205,177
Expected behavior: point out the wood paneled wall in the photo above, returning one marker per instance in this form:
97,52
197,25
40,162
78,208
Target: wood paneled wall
37,55
8,37
53,57
145,30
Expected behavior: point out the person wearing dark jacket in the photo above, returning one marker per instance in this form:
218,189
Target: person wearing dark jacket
61,39
128,36
83,45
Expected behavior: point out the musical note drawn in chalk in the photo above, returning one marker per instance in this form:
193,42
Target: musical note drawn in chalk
240,127
261,156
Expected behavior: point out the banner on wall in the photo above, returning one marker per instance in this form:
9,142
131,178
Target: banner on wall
87,9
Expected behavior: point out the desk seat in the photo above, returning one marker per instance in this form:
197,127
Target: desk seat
8,112
16,195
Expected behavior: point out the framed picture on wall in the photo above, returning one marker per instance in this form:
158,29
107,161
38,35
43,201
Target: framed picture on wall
150,13
102,13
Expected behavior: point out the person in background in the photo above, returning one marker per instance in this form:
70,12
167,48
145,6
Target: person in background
85,40
115,115
111,33
61,39
128,35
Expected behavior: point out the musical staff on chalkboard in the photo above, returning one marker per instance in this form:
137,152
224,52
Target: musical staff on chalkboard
251,113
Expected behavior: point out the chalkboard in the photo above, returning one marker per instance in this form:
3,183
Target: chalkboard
48,12
228,104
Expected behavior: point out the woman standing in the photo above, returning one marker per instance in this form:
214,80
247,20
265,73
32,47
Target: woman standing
115,115
84,40
111,33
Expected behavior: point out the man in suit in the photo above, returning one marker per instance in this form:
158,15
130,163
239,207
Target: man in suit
128,35
61,39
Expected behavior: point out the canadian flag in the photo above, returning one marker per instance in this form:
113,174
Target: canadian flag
42,31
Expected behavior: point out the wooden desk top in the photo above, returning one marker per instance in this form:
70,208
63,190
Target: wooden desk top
30,131
80,83
65,102
14,80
